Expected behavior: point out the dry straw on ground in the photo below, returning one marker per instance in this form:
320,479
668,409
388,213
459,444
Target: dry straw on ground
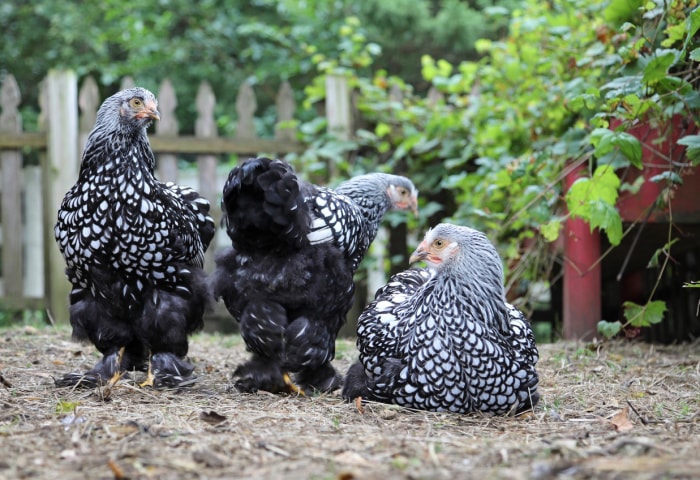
618,410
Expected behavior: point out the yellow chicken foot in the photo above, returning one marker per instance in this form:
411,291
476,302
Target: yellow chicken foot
107,390
291,385
118,373
149,375
358,405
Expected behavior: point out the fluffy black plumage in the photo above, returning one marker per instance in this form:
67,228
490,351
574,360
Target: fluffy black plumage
288,276
444,338
134,250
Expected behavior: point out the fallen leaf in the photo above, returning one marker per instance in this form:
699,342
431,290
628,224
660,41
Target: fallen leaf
621,421
212,417
351,458
29,330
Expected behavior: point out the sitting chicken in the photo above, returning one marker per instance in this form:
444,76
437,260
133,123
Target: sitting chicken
443,338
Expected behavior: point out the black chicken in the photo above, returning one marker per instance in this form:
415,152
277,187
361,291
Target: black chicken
444,338
288,278
134,248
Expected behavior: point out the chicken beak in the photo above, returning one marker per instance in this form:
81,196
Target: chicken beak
421,253
154,114
149,111
414,205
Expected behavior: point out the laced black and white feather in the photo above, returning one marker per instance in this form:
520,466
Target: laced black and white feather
444,338
350,214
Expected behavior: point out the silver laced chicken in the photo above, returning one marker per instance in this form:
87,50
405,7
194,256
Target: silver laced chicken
134,250
288,276
443,338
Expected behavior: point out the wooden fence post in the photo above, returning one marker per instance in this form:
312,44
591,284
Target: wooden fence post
60,173
339,117
167,126
35,278
11,161
127,83
246,104
205,127
89,102
338,107
286,106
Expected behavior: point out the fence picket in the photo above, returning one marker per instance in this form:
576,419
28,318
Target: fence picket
286,106
205,127
246,104
167,127
88,102
60,171
11,194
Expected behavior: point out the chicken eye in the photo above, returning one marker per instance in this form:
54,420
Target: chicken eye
135,102
439,243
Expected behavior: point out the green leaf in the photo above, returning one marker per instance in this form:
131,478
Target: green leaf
601,139
669,176
605,141
606,217
550,231
695,54
692,26
382,129
692,142
644,315
64,406
630,147
618,11
609,329
593,199
657,68
654,261
633,187
608,182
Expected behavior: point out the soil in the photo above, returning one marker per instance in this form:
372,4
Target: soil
613,410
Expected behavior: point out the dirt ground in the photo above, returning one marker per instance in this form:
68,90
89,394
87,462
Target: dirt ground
617,410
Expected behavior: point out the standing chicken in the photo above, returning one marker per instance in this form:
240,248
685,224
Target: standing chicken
288,276
134,248
444,338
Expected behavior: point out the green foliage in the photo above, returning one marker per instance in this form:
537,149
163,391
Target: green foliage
609,329
492,143
644,315
692,142
636,315
10,317
66,406
593,198
226,42
608,143
489,146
